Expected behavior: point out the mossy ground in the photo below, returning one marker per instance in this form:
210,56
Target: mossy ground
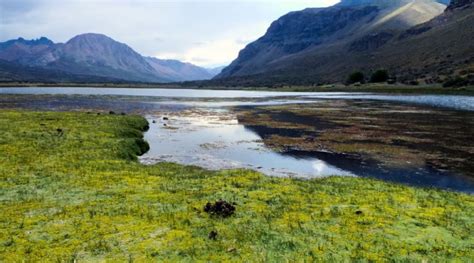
71,189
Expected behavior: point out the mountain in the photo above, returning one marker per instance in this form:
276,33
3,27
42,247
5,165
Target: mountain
10,71
94,55
23,51
319,45
381,3
100,55
179,71
215,71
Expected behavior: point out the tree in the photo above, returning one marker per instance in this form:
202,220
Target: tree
378,76
456,82
355,77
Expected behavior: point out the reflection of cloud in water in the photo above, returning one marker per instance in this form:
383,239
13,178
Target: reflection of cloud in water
319,166
215,140
322,169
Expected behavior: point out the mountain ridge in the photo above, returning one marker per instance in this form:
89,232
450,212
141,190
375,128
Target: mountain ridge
366,47
93,54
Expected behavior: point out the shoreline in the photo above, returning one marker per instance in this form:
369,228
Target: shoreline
373,88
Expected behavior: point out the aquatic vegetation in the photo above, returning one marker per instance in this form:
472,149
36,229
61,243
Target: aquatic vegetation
396,135
71,189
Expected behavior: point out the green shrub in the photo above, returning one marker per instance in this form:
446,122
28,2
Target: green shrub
378,76
355,77
455,82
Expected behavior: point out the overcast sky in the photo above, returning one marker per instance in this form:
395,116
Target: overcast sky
207,33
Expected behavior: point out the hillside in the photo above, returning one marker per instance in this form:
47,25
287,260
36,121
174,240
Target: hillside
177,70
14,72
409,38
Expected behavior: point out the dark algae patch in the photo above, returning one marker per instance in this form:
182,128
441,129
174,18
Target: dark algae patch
81,197
417,145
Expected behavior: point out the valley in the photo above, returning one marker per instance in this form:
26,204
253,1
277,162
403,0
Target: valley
237,131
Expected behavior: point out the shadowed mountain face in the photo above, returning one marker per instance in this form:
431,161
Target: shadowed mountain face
296,32
459,3
94,55
326,45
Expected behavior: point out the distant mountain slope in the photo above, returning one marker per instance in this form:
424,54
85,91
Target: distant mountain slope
215,71
10,71
179,71
95,55
24,51
325,45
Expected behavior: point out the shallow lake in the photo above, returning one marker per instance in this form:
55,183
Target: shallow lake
456,102
204,128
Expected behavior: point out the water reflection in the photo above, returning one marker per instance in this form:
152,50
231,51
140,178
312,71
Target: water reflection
456,102
219,142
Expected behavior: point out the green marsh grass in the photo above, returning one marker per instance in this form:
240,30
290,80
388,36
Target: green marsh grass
71,189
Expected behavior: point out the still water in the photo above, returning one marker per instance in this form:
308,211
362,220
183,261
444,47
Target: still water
215,140
455,102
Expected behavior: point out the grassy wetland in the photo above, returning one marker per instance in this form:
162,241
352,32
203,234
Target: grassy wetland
72,190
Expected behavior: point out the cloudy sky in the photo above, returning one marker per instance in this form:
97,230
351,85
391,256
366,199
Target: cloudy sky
207,33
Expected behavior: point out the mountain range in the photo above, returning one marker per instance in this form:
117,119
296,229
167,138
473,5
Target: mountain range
93,57
415,40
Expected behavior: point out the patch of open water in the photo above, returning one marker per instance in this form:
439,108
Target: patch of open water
448,101
214,143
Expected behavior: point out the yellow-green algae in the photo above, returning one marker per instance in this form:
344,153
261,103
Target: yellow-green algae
71,189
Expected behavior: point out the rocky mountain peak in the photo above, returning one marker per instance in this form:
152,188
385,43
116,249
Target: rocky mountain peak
383,3
42,41
459,3
91,37
98,47
386,3
95,41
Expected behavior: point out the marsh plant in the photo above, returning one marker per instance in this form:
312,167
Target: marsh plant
79,194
